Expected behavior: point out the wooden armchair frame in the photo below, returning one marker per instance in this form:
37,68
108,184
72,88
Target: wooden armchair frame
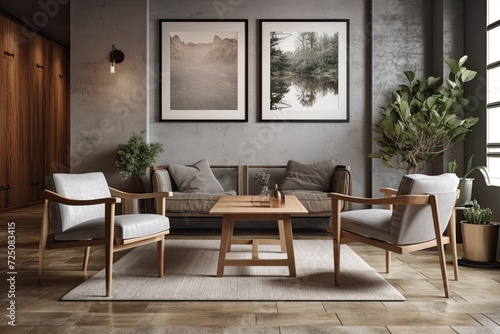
112,244
388,201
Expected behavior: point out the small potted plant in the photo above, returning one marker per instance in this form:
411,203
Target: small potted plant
479,234
465,185
263,179
134,157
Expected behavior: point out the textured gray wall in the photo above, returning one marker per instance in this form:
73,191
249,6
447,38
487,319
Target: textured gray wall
105,109
268,143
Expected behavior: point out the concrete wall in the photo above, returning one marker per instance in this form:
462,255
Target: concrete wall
386,38
268,143
106,108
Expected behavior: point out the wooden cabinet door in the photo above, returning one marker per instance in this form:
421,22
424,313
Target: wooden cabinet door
13,103
37,69
56,117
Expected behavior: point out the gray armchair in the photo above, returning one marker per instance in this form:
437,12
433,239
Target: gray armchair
423,206
81,208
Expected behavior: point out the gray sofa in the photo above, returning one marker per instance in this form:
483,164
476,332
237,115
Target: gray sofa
197,188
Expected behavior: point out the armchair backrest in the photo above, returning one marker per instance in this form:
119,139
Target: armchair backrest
76,186
413,223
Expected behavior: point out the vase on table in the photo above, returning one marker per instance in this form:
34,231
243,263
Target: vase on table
277,198
265,196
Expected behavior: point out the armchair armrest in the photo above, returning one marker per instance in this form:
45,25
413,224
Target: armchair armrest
127,195
394,200
52,196
129,198
388,192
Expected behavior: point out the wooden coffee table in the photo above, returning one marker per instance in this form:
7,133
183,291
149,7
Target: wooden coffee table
234,208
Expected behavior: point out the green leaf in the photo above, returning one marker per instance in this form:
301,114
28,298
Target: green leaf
462,60
431,81
453,65
410,75
468,75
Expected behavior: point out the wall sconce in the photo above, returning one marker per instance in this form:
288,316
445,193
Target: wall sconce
116,57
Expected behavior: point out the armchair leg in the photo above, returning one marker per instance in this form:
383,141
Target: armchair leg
442,263
161,256
336,261
452,233
86,258
42,244
109,270
387,261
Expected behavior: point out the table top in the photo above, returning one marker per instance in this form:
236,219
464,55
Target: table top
251,205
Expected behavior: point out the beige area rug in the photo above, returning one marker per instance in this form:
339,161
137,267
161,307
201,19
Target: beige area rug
190,274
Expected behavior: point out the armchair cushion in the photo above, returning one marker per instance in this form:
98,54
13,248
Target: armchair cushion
197,178
313,177
374,223
126,227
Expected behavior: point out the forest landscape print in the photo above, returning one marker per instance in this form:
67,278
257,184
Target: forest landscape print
303,68
204,62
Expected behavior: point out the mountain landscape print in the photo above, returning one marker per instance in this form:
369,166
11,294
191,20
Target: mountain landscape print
203,70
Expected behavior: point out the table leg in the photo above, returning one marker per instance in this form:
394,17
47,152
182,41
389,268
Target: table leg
281,229
227,226
230,237
287,222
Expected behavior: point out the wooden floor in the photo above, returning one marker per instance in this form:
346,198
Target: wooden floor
473,308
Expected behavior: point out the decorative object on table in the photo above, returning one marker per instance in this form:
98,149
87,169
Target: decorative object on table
133,159
263,179
203,70
304,70
277,198
479,237
424,120
465,185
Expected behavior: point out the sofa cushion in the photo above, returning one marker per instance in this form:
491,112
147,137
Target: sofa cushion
313,201
193,202
312,177
198,178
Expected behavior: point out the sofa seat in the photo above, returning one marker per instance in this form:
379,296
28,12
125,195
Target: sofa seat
199,203
314,201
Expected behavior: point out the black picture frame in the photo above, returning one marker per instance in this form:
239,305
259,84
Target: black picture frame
203,70
304,70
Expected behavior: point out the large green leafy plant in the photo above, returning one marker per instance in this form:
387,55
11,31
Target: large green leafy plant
424,119
134,157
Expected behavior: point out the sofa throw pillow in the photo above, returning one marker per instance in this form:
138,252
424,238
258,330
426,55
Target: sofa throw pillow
301,176
196,178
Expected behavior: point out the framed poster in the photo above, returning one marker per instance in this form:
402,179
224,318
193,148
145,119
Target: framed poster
304,69
203,70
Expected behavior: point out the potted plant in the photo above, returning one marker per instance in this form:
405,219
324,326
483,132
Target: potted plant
132,160
479,235
465,184
424,120
134,157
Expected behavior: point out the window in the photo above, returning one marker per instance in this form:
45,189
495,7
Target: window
493,91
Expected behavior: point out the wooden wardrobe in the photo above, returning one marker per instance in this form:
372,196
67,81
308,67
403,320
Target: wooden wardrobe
34,112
